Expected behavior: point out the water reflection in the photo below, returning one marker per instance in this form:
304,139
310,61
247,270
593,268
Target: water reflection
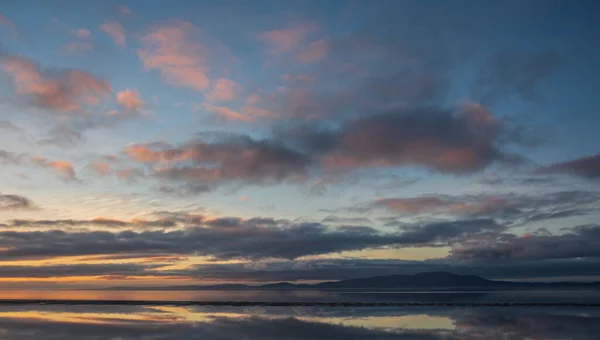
309,295
220,323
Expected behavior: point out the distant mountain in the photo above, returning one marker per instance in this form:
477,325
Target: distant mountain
421,281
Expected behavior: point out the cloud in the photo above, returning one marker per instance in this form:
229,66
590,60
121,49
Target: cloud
462,141
81,33
187,190
432,204
8,126
63,169
9,25
580,242
100,168
222,160
11,158
22,135
223,90
104,222
316,51
587,167
438,139
130,100
55,271
124,10
169,49
15,202
223,238
510,208
287,39
227,113
62,136
130,175
115,30
56,89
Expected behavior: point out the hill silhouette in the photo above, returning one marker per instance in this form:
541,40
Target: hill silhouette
421,281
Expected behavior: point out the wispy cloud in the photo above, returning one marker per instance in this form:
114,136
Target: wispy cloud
115,30
287,39
63,169
170,49
15,202
223,90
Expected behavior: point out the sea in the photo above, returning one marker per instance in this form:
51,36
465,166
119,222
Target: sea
297,315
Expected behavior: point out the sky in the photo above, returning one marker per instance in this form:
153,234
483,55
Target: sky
200,142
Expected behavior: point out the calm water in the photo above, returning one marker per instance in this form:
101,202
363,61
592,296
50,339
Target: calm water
30,322
312,296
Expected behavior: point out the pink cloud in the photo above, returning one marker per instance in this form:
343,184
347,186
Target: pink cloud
223,90
63,90
82,33
227,113
130,175
253,111
124,10
115,30
316,51
130,100
4,21
287,39
169,49
101,168
252,99
62,169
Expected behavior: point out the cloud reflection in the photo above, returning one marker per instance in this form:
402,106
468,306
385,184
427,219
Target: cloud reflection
169,322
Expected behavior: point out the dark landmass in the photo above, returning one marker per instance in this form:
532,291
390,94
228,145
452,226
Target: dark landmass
430,281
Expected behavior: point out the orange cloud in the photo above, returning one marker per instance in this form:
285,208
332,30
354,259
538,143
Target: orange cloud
115,30
287,39
64,90
130,100
144,154
62,169
141,153
168,49
223,90
316,51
